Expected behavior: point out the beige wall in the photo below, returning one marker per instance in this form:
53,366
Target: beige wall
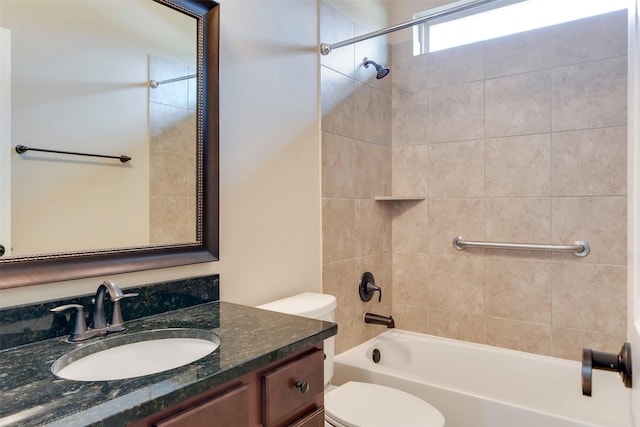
522,138
270,161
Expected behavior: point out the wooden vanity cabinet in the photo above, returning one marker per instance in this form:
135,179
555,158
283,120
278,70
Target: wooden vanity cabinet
290,391
285,393
230,408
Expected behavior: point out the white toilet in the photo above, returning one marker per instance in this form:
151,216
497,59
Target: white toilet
357,404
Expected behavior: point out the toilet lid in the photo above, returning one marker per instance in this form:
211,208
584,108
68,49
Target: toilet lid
356,404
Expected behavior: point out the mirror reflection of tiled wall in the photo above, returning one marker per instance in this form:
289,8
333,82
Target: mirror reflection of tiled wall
172,128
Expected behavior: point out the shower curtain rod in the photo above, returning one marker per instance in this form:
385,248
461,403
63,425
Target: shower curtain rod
326,48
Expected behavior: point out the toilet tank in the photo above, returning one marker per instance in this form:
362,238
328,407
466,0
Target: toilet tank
315,306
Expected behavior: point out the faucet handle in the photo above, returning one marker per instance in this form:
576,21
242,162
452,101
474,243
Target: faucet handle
117,323
129,295
80,324
367,287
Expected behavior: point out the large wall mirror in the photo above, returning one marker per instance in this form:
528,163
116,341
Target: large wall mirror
109,137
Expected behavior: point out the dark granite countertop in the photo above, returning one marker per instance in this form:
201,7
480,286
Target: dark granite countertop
250,338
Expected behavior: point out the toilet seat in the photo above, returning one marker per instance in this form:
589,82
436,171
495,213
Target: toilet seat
357,404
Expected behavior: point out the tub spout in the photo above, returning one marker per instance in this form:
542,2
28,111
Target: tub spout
376,319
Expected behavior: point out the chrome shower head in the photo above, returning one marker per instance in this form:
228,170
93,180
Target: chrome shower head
382,71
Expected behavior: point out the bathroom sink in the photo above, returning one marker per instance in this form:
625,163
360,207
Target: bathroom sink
136,354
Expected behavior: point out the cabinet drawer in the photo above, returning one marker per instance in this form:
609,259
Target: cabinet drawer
314,419
227,409
292,388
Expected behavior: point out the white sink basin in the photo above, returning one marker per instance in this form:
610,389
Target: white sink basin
136,355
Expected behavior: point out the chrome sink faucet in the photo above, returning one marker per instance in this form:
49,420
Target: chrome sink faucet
99,324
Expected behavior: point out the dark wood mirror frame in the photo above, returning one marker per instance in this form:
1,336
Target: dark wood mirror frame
67,266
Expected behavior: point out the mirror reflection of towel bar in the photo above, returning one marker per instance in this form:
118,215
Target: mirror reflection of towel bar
23,148
578,248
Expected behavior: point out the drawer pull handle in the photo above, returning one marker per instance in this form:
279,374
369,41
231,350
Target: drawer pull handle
303,386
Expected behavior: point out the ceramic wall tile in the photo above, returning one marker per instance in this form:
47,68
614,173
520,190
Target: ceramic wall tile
339,279
517,53
408,71
460,326
456,113
518,289
599,221
411,317
410,225
568,343
338,103
517,335
372,229
456,283
597,37
372,115
449,218
443,67
410,120
351,333
589,297
456,169
339,172
590,162
410,277
518,166
518,104
589,95
410,169
373,170
338,236
526,220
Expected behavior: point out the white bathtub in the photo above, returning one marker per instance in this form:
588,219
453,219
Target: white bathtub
477,385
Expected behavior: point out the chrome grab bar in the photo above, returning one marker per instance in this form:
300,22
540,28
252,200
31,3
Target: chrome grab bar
578,248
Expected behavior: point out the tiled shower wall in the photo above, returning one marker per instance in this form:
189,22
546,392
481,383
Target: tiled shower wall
517,139
522,139
172,125
356,166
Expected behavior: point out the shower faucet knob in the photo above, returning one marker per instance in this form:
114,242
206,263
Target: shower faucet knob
367,287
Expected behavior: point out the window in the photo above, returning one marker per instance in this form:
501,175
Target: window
504,18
